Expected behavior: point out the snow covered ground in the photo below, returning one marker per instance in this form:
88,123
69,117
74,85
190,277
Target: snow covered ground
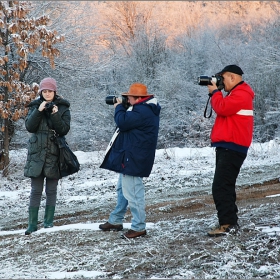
74,249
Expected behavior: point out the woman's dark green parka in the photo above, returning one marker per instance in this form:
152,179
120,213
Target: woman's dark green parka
43,152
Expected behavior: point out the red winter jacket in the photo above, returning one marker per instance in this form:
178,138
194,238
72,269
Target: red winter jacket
233,127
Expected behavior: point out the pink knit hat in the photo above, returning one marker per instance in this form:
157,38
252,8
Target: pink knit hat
48,83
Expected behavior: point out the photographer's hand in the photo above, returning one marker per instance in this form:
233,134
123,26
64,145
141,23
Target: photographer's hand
212,87
55,109
42,106
117,103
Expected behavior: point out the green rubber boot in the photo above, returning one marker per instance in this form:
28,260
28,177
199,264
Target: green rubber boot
48,218
33,220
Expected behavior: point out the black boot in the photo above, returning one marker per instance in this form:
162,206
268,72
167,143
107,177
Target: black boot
48,218
33,220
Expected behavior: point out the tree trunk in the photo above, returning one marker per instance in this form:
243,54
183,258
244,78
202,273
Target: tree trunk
5,159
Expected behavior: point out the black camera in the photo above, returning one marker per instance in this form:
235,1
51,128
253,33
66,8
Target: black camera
49,106
112,99
205,81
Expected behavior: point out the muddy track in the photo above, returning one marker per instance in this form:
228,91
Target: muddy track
197,204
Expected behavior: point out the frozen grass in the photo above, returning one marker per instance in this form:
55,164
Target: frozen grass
179,214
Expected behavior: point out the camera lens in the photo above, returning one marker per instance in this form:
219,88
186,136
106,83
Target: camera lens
49,106
204,80
110,99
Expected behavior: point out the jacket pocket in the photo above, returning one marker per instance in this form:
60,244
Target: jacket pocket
115,159
138,162
54,149
33,144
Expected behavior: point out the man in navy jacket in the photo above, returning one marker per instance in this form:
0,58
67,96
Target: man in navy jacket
131,153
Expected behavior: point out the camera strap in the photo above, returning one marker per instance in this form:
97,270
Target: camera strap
206,108
50,126
117,131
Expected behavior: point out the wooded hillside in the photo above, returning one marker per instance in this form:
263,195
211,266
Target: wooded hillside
166,45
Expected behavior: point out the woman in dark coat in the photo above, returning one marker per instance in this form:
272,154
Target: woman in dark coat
48,116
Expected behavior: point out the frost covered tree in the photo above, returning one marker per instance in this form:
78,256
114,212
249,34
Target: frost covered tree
131,37
19,36
78,59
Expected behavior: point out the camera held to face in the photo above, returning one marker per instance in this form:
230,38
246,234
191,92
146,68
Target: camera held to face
205,81
49,106
111,100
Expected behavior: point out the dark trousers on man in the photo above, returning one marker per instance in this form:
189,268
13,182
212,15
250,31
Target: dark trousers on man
228,164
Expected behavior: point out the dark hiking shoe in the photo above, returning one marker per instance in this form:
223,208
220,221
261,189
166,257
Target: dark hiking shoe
223,230
133,234
107,227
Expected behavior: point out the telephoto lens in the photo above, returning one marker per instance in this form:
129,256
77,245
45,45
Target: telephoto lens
111,99
204,80
217,79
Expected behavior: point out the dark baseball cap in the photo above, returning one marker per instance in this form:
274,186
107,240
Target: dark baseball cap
233,69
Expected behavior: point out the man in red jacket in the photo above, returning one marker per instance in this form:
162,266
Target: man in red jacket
232,135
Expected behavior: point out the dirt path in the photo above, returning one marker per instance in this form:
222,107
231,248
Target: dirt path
254,195
177,246
197,204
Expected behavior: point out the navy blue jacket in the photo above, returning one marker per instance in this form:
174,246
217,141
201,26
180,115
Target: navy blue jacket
133,151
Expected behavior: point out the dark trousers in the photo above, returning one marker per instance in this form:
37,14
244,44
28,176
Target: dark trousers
37,185
228,164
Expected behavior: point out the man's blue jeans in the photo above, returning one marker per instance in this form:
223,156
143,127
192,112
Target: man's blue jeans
130,192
